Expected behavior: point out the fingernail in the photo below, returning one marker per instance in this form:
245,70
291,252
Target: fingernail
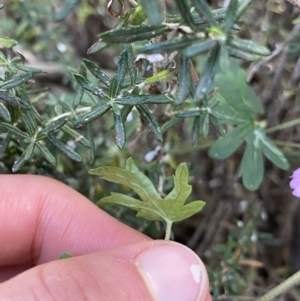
172,272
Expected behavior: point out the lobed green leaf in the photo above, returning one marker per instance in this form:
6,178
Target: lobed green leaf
151,206
252,165
227,145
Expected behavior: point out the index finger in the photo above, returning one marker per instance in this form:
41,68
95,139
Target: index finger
41,218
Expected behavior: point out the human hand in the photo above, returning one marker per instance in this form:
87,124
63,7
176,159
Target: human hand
41,218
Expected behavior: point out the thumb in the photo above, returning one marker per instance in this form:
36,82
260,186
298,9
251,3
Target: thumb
148,271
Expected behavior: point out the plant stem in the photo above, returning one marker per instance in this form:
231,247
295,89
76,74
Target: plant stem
282,126
281,288
168,230
133,3
80,110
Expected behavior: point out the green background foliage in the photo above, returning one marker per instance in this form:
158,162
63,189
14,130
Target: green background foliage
192,103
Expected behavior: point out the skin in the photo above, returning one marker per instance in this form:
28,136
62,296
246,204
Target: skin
40,219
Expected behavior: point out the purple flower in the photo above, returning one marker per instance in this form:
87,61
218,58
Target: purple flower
295,183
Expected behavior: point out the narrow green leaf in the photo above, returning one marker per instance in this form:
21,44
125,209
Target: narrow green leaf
64,148
170,124
204,124
243,5
153,11
207,77
79,91
96,112
240,54
134,33
16,81
270,150
143,99
185,12
149,119
67,7
13,100
121,69
215,121
224,59
227,145
14,130
26,155
252,165
119,129
4,113
29,121
184,81
29,69
203,10
168,45
97,47
113,87
76,136
131,63
46,154
4,144
54,125
90,152
125,111
249,46
97,72
199,48
230,17
188,113
89,86
196,131
218,14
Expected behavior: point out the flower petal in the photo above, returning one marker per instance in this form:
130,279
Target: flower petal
296,173
296,192
294,183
